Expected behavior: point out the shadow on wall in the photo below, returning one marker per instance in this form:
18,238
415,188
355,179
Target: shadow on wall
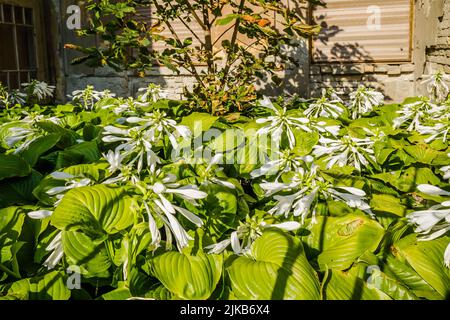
341,66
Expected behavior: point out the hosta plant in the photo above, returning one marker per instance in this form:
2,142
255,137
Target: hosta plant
143,198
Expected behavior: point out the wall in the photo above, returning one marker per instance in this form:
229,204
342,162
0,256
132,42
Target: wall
431,43
438,55
396,80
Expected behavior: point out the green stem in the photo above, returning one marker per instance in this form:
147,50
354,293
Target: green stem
9,272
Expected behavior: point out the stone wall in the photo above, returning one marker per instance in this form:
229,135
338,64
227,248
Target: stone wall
438,55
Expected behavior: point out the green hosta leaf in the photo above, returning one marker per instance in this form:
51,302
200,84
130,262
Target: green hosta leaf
387,203
13,166
19,190
51,286
221,208
88,150
98,209
427,259
67,137
39,147
199,122
159,293
408,180
348,286
422,153
117,294
93,171
19,290
88,254
276,268
188,276
305,141
408,277
395,289
340,241
228,140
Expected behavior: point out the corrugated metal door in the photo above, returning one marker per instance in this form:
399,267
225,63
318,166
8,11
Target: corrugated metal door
363,30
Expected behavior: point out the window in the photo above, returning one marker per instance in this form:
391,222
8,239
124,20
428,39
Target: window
18,54
363,31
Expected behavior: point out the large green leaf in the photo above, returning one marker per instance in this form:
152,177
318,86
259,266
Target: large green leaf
51,286
88,254
346,285
19,190
188,276
387,203
276,268
98,209
199,122
38,147
13,166
406,275
339,241
427,259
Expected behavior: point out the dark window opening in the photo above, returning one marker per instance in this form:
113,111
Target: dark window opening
18,48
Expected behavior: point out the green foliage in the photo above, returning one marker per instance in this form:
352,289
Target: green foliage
149,199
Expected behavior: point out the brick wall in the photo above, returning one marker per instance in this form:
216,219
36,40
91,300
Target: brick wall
438,55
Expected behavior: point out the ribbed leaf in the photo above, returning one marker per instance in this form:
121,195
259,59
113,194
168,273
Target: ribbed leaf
407,276
51,286
88,254
427,259
276,268
188,276
38,147
13,166
340,241
98,209
348,286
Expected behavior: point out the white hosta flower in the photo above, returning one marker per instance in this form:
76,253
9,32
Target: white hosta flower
324,107
414,113
11,98
286,161
364,100
71,183
136,143
157,202
440,129
57,252
242,239
114,159
281,122
22,134
129,106
434,222
446,171
152,93
157,124
437,84
346,151
39,89
40,214
209,175
89,96
304,191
